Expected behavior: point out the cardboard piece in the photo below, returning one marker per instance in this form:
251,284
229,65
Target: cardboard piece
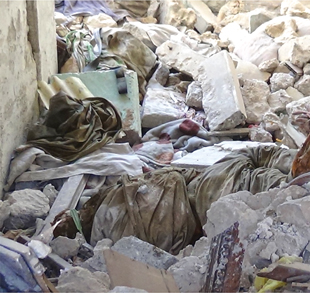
124,271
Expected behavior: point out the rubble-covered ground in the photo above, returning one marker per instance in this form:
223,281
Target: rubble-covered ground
191,174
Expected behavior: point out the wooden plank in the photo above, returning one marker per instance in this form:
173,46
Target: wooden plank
67,198
124,271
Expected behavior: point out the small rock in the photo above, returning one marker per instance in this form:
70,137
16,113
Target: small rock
81,280
303,85
66,247
97,262
51,193
294,93
271,122
257,18
280,81
260,134
270,249
278,100
144,252
269,65
255,94
306,69
194,95
247,70
25,207
189,273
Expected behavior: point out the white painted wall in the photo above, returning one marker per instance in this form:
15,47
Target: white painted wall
19,71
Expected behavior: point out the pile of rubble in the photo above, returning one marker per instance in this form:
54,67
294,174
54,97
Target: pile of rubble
167,156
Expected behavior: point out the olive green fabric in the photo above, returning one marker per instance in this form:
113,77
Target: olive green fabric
254,169
74,128
153,207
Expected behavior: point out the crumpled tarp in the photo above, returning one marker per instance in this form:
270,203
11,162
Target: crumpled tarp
74,128
163,206
154,207
254,169
32,164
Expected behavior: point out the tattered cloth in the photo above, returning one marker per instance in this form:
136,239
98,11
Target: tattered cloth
74,128
163,207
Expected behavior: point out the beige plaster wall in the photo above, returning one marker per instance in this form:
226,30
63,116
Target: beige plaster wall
19,71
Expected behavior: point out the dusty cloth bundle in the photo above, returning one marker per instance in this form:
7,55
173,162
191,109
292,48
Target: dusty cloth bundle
74,128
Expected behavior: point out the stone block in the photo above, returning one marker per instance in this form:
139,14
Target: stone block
278,100
271,122
295,211
222,99
296,50
255,96
247,70
201,248
66,247
294,93
303,85
281,81
105,84
194,95
189,273
269,65
25,207
259,134
79,279
180,57
257,18
205,16
300,105
161,105
144,252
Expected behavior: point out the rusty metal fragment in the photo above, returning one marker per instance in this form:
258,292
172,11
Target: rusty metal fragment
225,262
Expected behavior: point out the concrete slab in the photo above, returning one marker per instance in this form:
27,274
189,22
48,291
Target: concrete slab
208,156
104,84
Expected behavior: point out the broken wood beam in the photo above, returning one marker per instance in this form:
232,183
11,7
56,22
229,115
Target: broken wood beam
225,262
66,199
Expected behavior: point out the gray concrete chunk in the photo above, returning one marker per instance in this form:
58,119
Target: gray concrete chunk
222,100
144,252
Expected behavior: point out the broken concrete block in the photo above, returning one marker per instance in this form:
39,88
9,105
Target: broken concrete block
222,99
296,50
161,105
66,247
268,251
260,134
105,84
225,212
144,252
176,14
169,53
271,122
306,69
97,261
247,70
51,193
257,18
294,8
282,68
205,16
281,29
255,94
194,95
300,105
278,100
280,81
189,273
160,76
295,211
25,207
269,65
78,279
294,93
201,248
303,85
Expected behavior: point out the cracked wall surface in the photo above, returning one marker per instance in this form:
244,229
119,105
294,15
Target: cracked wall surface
27,53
